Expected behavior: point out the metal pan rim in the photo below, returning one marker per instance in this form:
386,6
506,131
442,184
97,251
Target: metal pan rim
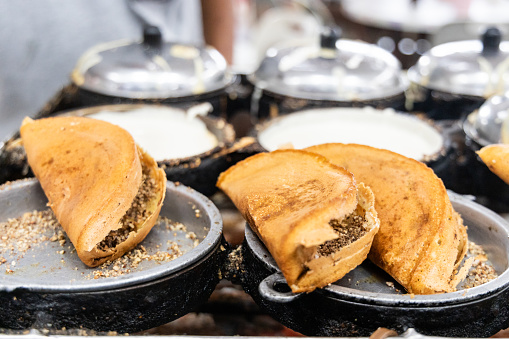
227,138
206,245
331,98
403,300
335,112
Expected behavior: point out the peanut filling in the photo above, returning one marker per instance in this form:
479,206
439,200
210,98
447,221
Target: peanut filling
349,229
135,215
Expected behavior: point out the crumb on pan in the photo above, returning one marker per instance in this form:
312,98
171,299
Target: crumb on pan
32,229
20,234
482,271
131,260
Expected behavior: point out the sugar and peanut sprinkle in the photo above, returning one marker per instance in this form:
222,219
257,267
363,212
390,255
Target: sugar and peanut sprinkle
349,229
136,215
134,258
482,271
18,235
37,228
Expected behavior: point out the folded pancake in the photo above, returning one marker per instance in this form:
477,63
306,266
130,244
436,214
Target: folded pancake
496,157
422,240
314,219
104,190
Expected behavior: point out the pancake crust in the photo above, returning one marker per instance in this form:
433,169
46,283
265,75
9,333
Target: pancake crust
289,198
496,157
422,240
91,171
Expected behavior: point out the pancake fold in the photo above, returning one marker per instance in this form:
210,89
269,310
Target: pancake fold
105,191
422,240
315,220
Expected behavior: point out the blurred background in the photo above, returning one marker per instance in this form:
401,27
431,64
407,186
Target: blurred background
41,42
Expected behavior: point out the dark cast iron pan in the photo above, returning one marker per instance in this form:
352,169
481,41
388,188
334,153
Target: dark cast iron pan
48,289
200,171
442,161
362,301
441,105
267,105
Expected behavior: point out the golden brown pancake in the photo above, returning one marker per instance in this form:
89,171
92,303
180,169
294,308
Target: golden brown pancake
496,157
104,190
314,219
421,240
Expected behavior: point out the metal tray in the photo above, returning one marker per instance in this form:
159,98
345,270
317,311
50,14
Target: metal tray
368,298
50,285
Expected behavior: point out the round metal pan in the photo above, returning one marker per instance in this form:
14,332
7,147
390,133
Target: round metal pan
368,298
199,171
441,105
411,135
445,91
48,286
266,105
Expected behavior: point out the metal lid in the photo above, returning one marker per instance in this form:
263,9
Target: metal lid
336,69
471,67
484,125
151,69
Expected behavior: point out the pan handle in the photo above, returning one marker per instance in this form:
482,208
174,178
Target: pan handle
268,289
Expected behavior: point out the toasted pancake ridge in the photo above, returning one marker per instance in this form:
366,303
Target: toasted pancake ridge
91,172
289,198
496,157
422,240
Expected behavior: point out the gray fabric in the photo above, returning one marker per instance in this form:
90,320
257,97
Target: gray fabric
171,16
41,40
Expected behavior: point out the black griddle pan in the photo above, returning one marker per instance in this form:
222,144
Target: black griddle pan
367,298
51,289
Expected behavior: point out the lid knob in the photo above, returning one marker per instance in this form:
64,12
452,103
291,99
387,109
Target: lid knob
491,41
152,36
329,36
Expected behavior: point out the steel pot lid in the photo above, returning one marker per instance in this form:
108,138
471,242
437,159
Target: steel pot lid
484,125
471,67
151,69
336,69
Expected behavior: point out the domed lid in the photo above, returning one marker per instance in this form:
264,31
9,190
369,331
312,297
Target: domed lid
471,67
151,69
485,125
336,69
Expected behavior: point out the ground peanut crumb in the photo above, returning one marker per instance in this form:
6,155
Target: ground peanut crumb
136,215
34,228
482,271
21,234
349,229
131,260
